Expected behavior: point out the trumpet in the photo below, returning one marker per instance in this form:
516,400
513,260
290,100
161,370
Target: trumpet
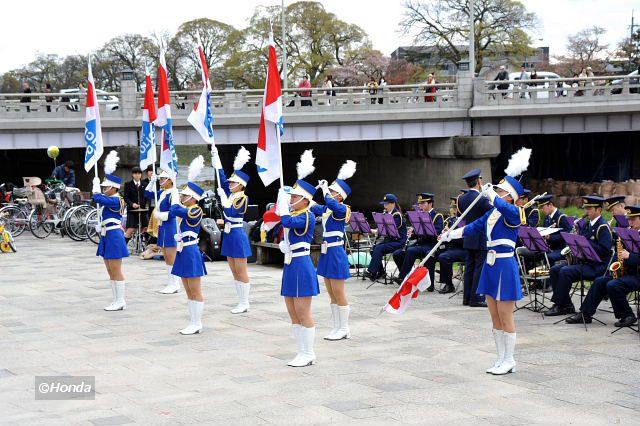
568,254
617,268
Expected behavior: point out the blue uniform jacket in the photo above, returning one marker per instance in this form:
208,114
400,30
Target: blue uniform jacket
599,236
113,206
239,201
401,224
475,241
299,227
334,217
558,220
499,226
533,217
191,219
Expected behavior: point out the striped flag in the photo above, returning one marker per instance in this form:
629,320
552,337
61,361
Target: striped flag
168,156
201,118
148,133
415,282
268,155
92,126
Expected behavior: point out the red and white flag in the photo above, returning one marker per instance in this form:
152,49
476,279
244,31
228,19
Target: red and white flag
168,156
148,134
268,156
418,280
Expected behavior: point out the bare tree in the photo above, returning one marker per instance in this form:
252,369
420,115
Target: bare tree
584,48
500,27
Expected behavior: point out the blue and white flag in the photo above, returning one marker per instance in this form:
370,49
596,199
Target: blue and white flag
201,118
168,156
148,133
92,127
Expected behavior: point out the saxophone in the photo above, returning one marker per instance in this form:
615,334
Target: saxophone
617,268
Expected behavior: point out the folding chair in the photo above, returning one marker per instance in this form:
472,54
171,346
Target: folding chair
534,280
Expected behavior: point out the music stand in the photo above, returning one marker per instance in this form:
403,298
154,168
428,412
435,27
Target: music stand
536,244
583,252
571,220
422,224
359,225
386,226
621,221
631,241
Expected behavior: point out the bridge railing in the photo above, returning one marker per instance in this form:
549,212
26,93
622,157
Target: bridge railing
397,97
557,90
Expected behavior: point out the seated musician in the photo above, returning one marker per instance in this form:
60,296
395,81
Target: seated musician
617,287
388,245
554,218
406,257
531,213
596,230
615,206
453,252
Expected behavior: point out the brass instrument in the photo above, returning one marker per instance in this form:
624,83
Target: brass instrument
617,268
568,254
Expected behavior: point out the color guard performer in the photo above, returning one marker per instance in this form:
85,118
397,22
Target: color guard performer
388,245
189,262
235,242
531,213
562,276
333,265
167,230
500,280
299,277
112,246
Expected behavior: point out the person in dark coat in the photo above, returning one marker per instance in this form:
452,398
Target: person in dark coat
475,244
135,200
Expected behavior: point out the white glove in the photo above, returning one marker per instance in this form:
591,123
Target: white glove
98,228
161,216
282,208
284,247
215,159
324,186
175,196
489,192
226,203
96,186
152,183
453,235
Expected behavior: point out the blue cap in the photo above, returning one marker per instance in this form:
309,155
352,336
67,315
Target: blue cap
114,179
389,198
240,177
472,174
304,189
545,199
592,201
425,197
633,211
526,191
512,186
342,187
612,201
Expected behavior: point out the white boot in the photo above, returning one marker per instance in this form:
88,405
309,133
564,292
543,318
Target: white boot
308,356
509,363
297,335
336,321
242,289
498,337
173,282
119,304
190,310
195,312
113,293
343,331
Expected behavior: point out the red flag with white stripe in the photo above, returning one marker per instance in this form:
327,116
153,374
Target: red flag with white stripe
415,282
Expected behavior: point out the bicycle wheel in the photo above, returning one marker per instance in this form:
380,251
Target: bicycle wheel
90,226
15,218
39,225
66,224
76,222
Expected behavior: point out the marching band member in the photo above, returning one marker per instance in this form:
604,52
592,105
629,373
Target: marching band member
406,258
474,244
617,288
453,252
333,265
112,246
388,245
500,280
189,261
235,242
554,218
615,205
562,276
299,277
167,230
531,213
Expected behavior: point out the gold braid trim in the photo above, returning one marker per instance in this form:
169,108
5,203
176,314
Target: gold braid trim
122,207
194,212
239,201
401,219
306,226
347,216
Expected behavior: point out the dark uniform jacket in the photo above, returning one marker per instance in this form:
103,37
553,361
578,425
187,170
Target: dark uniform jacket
477,241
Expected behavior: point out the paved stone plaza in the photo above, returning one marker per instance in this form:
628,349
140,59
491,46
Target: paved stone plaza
424,367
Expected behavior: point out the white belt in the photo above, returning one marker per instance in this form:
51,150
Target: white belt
504,255
185,234
110,225
501,242
301,244
289,255
329,234
233,219
301,253
492,255
334,244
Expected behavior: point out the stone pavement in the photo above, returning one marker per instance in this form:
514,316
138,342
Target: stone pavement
424,367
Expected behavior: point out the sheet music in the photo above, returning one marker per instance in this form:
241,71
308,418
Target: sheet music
547,231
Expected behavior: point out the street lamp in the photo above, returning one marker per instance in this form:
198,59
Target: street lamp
472,38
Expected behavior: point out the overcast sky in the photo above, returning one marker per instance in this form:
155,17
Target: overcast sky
66,27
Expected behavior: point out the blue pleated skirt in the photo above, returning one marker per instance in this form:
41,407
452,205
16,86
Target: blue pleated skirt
236,244
334,264
189,263
501,281
167,234
299,278
113,245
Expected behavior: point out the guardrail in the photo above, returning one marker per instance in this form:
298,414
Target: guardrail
557,90
52,105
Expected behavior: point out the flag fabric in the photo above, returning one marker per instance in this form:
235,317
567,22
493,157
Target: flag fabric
92,126
201,118
168,156
268,156
269,221
148,133
418,280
